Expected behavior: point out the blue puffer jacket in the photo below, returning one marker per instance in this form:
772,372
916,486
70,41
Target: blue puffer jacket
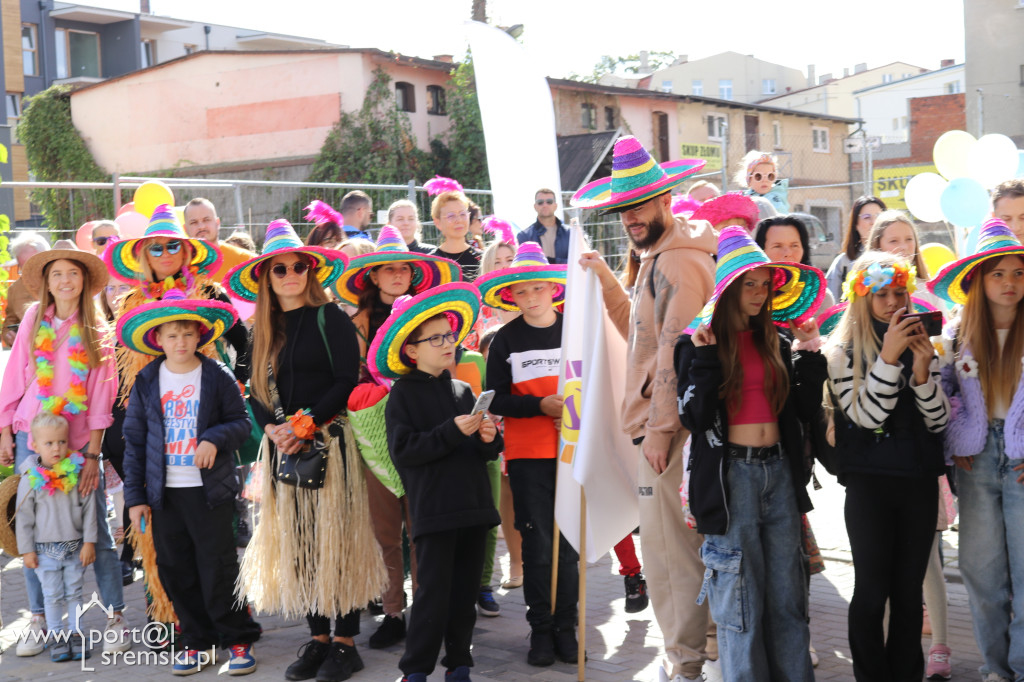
222,420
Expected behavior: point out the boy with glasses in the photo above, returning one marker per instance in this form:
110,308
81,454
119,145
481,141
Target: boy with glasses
548,231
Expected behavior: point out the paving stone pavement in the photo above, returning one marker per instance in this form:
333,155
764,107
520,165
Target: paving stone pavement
621,646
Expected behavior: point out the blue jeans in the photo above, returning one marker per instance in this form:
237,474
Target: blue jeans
61,581
107,566
755,576
992,555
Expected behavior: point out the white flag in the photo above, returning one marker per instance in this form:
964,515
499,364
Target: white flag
594,453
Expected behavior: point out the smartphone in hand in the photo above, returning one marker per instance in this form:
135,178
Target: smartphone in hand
930,319
483,402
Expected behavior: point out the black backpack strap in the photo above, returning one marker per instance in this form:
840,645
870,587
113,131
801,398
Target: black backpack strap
650,280
323,333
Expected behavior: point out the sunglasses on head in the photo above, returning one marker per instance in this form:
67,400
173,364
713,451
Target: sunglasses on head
757,177
157,250
545,201
281,270
100,241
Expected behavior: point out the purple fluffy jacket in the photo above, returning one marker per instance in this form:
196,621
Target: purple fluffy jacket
967,431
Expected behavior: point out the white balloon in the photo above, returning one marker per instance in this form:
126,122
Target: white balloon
922,196
992,159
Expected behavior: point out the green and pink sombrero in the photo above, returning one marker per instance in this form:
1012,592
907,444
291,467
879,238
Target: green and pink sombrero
458,301
829,319
635,178
726,207
124,258
799,288
427,271
136,329
995,240
328,264
529,265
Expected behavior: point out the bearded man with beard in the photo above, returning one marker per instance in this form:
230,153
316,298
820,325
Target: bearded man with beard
675,279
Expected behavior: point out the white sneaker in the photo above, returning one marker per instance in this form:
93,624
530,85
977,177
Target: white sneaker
116,636
33,638
991,677
712,671
663,677
814,657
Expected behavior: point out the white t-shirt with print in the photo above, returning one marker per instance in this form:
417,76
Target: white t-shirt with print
179,402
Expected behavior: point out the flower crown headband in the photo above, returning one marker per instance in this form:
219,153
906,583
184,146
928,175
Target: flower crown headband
764,158
877,277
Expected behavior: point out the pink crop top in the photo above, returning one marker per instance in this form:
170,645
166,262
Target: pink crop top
754,408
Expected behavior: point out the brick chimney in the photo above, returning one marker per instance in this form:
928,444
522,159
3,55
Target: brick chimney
447,58
144,7
946,62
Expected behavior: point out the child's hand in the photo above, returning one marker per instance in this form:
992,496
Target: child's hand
88,553
703,336
469,423
552,405
488,431
206,453
137,513
30,560
923,351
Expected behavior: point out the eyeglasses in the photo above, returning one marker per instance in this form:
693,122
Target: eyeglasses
757,177
545,201
868,216
100,241
118,288
157,250
437,340
281,270
452,216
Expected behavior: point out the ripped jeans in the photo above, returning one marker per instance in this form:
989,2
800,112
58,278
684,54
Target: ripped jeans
754,579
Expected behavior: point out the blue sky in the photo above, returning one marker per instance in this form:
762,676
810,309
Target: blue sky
569,35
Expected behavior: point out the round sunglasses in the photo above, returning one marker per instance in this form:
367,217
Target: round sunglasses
281,270
757,177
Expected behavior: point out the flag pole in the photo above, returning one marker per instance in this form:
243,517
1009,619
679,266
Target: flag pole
554,565
581,655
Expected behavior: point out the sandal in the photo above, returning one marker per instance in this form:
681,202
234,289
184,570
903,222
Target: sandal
512,583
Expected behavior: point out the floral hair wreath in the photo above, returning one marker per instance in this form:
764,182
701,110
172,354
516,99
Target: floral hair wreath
876,277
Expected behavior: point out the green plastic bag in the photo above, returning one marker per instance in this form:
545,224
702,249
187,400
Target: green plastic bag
372,437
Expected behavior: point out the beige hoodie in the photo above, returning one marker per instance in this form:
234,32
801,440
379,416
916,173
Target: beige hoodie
684,278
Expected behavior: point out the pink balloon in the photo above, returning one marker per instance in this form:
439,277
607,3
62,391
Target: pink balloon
130,206
132,224
83,238
246,309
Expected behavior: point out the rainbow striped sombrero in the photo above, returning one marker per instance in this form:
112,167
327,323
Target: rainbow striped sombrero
136,329
995,240
529,265
798,288
828,319
123,258
427,271
458,301
635,178
243,280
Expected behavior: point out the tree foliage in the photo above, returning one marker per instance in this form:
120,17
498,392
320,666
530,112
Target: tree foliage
627,64
466,156
57,153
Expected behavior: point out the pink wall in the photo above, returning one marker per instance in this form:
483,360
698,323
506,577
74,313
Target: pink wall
216,108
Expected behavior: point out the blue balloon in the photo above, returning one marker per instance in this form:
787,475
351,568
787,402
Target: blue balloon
965,202
971,244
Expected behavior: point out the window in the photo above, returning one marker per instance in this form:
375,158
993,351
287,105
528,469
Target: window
30,49
78,54
588,117
716,127
697,87
767,86
609,118
887,78
951,88
903,122
896,123
820,139
13,106
191,49
725,88
436,101
405,96
777,134
666,86
148,53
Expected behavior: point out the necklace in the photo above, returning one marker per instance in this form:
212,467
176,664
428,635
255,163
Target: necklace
61,477
74,400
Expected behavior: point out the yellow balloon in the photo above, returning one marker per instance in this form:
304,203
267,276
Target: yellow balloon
151,194
935,256
179,213
951,152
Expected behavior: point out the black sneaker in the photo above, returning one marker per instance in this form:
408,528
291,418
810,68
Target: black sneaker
542,648
376,607
127,573
488,607
342,660
390,632
311,655
566,646
636,593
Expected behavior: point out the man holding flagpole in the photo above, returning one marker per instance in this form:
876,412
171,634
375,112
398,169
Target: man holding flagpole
675,278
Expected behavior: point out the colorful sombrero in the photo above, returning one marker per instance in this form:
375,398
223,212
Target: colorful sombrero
635,178
32,270
798,288
727,206
458,301
828,319
8,506
995,240
529,265
427,271
243,279
136,329
124,258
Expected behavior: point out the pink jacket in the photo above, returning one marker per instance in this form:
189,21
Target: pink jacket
19,391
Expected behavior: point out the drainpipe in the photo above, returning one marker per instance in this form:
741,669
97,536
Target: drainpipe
206,30
981,113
